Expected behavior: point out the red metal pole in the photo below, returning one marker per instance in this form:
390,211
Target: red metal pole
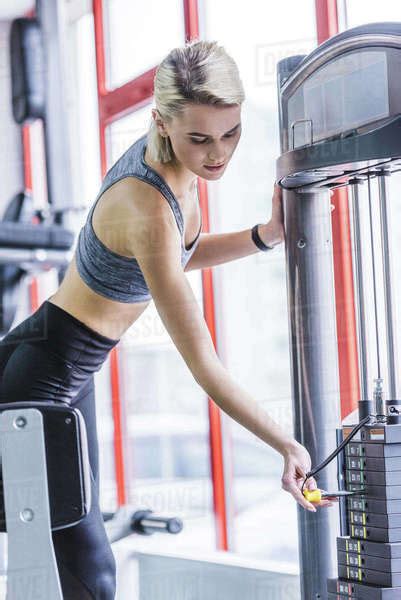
327,26
326,19
215,431
191,17
26,150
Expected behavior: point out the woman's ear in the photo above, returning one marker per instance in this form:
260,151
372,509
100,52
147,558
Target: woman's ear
159,123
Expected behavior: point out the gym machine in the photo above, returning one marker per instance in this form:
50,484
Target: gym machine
30,242
340,125
46,487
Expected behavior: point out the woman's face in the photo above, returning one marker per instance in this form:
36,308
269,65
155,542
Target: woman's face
204,136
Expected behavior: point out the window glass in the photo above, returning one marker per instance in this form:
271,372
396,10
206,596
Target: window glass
140,40
251,292
83,112
166,416
360,12
121,134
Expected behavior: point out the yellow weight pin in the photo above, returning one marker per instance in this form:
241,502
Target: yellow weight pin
318,495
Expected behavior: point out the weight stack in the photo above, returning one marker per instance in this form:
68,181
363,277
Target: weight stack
369,558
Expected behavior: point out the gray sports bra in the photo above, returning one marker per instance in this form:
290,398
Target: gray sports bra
110,274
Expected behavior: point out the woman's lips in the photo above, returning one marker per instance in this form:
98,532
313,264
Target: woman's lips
211,168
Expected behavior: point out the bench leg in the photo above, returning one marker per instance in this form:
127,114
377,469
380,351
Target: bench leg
32,568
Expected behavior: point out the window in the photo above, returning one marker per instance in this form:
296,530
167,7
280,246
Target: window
123,133
254,326
138,35
360,12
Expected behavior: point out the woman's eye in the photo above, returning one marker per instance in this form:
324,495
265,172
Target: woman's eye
196,141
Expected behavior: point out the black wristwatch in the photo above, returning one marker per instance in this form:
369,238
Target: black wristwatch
258,241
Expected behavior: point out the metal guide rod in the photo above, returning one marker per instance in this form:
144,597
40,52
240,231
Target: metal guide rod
372,245
360,294
392,363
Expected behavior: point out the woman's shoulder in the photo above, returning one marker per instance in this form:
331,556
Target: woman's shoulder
133,195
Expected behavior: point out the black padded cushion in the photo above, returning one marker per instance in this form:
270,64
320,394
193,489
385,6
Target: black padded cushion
67,462
27,70
27,235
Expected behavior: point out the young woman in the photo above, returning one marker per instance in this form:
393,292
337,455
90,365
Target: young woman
141,235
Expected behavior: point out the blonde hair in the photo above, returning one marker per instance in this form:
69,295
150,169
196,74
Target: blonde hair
200,72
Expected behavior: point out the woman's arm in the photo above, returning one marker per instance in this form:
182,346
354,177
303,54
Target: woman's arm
218,248
156,245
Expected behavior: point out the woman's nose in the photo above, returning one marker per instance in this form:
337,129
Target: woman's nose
216,155
218,161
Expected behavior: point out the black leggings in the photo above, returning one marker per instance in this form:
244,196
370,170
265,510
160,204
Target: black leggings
51,355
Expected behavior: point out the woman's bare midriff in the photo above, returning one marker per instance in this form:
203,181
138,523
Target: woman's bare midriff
109,317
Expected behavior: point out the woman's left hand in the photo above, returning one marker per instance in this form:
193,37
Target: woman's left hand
272,233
